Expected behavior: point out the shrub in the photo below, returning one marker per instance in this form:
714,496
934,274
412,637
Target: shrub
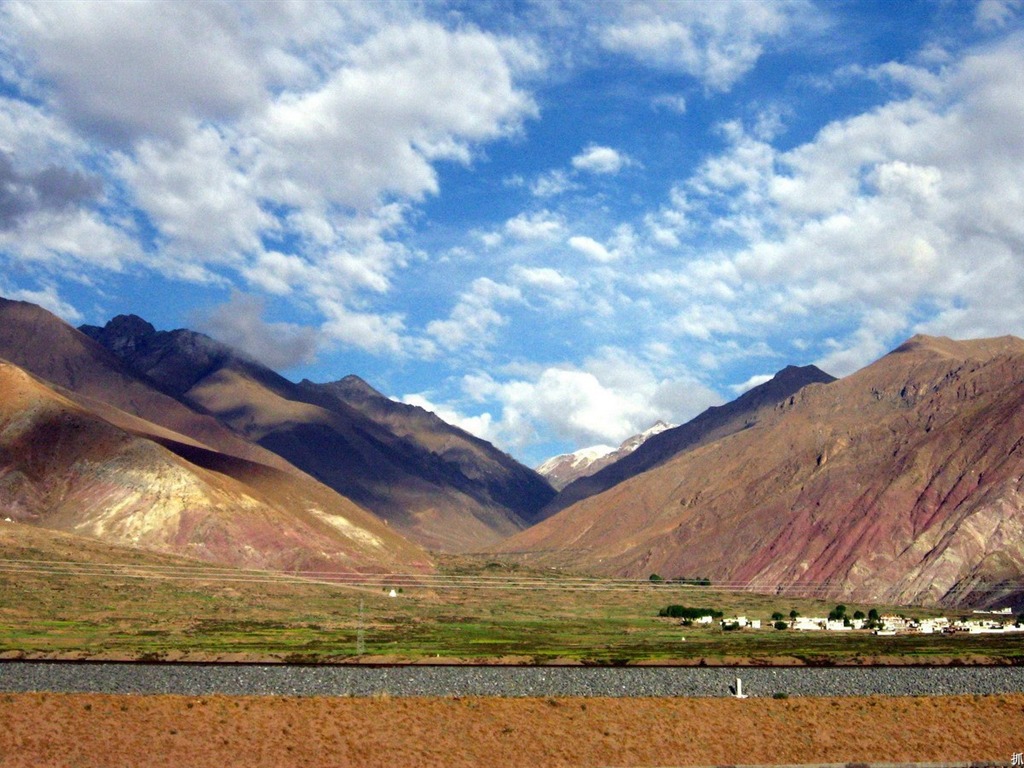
699,581
781,625
780,695
777,616
655,578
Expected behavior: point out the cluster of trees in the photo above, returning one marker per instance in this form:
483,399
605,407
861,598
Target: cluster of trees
839,613
682,612
697,581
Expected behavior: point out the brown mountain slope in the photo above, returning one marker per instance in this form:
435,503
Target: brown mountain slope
46,346
903,482
396,466
481,470
65,468
714,423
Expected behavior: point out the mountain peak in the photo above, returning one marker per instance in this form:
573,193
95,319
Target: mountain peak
568,467
123,335
945,347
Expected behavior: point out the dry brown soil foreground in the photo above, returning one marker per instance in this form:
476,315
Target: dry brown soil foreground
108,730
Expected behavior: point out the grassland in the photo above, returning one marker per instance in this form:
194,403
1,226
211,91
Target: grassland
63,596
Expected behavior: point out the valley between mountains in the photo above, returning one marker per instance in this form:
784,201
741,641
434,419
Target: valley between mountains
902,483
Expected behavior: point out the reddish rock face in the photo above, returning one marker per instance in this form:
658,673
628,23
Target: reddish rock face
433,482
64,467
903,482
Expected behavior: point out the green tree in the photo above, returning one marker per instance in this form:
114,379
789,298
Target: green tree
777,616
838,613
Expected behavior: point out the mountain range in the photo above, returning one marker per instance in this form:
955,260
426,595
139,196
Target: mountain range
68,468
436,483
903,482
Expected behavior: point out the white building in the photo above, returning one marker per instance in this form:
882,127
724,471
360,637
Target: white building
809,623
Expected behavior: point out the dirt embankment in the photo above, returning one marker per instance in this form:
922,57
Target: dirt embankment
109,730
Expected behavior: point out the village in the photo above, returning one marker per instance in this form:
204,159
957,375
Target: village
987,622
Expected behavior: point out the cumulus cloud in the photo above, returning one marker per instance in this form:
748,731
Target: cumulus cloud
120,71
754,381
240,324
552,183
246,140
608,398
995,14
904,212
48,298
671,102
51,189
536,225
343,141
554,288
475,317
481,426
600,160
716,43
590,248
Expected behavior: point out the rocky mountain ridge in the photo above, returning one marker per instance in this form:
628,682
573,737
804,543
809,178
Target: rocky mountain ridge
902,483
714,423
437,484
565,468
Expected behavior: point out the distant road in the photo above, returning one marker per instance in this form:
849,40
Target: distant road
284,680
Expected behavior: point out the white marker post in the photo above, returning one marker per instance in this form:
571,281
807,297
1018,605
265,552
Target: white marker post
739,689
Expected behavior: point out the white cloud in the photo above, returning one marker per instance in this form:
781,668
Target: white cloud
905,210
475,317
590,248
754,381
554,288
480,425
251,140
608,398
552,183
995,14
122,70
378,333
716,43
670,101
600,160
48,298
199,194
240,324
538,225
344,142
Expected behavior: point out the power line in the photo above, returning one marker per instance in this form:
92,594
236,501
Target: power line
220,574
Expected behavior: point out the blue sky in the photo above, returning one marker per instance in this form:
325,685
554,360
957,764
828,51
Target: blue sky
553,223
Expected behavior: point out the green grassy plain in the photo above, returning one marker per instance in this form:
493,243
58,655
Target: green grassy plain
124,604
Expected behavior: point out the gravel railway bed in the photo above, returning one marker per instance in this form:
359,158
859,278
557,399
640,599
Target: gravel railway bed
284,680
